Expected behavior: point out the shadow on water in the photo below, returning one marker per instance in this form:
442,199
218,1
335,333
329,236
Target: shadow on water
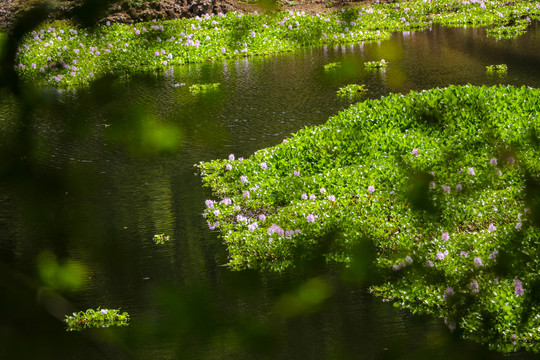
93,175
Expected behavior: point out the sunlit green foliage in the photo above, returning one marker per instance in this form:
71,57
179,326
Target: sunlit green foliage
371,65
65,56
98,318
202,88
332,66
161,239
438,180
509,31
352,91
500,68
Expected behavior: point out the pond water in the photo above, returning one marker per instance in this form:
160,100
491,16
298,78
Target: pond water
97,190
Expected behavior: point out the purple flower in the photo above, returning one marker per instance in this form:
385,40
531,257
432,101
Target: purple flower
409,260
228,167
310,218
493,161
304,196
296,173
226,201
446,188
371,188
264,166
448,292
312,197
440,255
246,194
518,225
415,152
493,255
477,261
459,187
429,263
464,254
103,311
216,212
209,203
262,217
395,267
223,50
432,184
518,287
331,198
445,236
231,157
492,228
471,171
252,226
323,191
474,287
243,179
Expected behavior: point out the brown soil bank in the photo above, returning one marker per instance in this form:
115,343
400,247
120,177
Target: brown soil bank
131,11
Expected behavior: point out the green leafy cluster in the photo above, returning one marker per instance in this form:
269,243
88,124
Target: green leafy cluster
371,65
63,55
437,180
352,90
509,31
500,68
332,66
203,88
98,318
160,239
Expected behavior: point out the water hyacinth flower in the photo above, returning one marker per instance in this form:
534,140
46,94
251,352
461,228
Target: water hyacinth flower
304,196
323,191
441,255
252,226
371,188
262,217
429,263
493,161
103,311
226,201
246,194
471,171
518,226
492,228
217,212
474,287
310,218
448,292
446,188
408,259
264,166
459,187
478,261
231,157
312,197
209,203
296,173
464,254
445,236
415,152
493,255
228,167
331,198
518,287
243,179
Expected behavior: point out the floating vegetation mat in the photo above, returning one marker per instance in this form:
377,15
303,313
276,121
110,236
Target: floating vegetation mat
98,318
442,185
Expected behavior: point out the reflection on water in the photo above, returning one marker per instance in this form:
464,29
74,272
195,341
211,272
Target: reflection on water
117,169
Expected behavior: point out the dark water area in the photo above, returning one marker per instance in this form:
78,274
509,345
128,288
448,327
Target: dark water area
97,182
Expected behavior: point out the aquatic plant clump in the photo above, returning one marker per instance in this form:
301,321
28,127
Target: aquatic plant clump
203,88
98,318
500,68
371,65
160,239
352,91
332,66
436,181
63,55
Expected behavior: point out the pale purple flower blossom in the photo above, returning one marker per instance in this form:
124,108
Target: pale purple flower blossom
440,255
312,197
459,187
432,184
246,194
464,254
228,167
409,259
243,179
493,255
446,188
231,157
264,166
304,196
471,171
371,188
323,191
478,261
226,201
448,292
217,212
310,218
445,236
474,287
429,263
296,173
518,225
103,311
493,161
518,287
209,203
262,217
252,226
492,228
331,198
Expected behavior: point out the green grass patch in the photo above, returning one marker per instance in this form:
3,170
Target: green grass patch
440,182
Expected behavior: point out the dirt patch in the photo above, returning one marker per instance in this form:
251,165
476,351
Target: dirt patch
131,11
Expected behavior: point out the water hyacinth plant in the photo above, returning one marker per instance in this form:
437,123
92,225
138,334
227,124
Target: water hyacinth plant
64,55
352,90
332,66
436,180
98,318
203,88
160,239
370,65
499,69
